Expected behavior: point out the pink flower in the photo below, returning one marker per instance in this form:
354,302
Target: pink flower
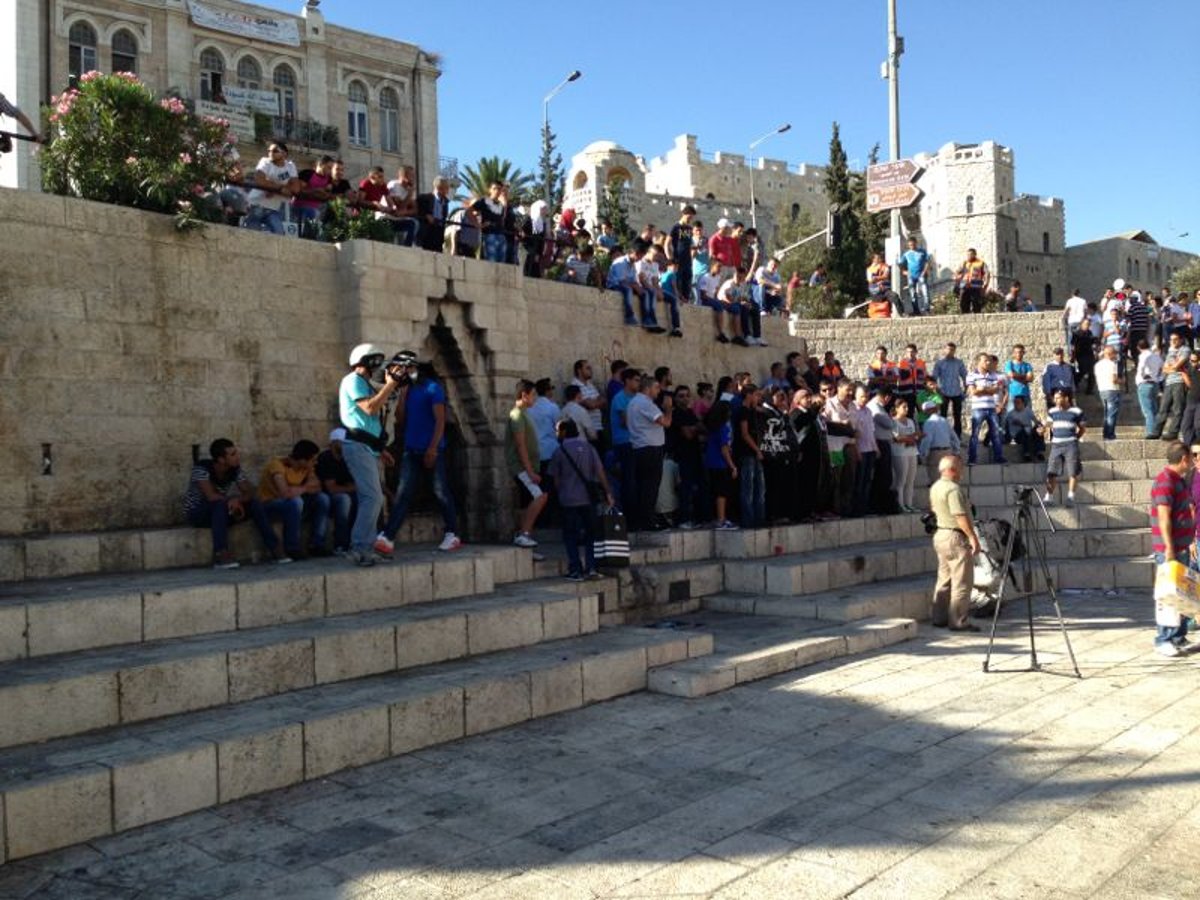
131,160
173,105
90,76
185,158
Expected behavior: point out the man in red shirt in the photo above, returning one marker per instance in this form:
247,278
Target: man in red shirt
373,191
725,249
1173,526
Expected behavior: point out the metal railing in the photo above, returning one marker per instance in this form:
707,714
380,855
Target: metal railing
304,132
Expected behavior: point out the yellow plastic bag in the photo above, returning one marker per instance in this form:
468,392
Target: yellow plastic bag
1176,593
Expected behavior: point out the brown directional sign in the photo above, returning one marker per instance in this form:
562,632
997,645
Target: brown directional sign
890,174
895,196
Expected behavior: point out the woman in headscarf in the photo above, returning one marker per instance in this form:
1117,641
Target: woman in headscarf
533,238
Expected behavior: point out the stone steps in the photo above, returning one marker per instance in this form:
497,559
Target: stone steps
1081,515
71,694
752,647
818,571
78,788
61,615
906,597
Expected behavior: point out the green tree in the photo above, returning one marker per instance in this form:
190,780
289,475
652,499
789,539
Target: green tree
550,170
474,180
1187,279
875,226
613,208
789,230
847,264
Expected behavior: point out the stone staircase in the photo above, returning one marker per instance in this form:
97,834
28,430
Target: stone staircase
132,692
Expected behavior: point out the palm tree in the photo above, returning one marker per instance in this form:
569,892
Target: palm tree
474,180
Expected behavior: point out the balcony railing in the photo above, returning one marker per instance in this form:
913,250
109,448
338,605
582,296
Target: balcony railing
302,132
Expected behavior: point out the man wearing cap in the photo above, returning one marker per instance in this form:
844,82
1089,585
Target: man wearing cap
361,406
421,417
338,483
938,439
725,249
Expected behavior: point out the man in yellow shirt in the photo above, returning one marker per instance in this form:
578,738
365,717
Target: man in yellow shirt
290,491
956,544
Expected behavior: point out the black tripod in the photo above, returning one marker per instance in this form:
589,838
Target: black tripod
1027,529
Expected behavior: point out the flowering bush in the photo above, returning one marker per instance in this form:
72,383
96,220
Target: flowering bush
345,223
111,140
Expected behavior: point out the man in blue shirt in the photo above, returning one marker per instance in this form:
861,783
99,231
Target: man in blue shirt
1059,376
1020,376
622,277
421,415
622,440
950,373
916,265
360,407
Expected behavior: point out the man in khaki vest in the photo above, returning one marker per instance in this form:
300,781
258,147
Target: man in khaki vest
956,544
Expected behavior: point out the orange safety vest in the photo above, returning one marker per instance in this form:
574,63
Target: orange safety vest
832,373
885,372
879,309
912,373
974,273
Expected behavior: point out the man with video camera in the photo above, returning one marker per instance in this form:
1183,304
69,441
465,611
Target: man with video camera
361,405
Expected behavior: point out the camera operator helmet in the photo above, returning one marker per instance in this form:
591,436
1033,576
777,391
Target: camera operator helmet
369,355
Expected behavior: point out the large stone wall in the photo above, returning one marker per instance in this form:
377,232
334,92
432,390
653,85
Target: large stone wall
126,344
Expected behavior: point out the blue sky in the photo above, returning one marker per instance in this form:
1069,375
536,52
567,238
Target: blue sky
1100,100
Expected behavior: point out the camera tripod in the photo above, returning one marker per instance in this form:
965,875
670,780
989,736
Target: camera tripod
1027,529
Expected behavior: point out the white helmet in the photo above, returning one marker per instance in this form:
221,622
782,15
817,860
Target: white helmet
360,354
1119,284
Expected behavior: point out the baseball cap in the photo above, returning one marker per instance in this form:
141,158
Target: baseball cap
338,434
929,404
722,223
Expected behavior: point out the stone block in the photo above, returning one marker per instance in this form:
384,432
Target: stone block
504,565
850,531
280,599
12,560
764,664
120,551
706,578
431,640
745,577
556,689
613,674
497,702
169,548
185,611
815,577
811,651
502,628
826,534
453,577
163,786
692,680
259,761
665,653
340,740
62,555
878,633
354,654
173,686
54,812
13,640
418,582
700,645
784,580
697,544
877,529
733,544
269,670
358,590
589,613
1091,573
560,619
66,625
39,710
1139,574
427,719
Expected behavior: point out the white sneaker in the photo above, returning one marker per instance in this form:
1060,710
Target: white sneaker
1166,648
450,542
524,540
383,546
1047,498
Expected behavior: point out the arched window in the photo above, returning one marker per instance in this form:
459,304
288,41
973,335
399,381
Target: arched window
81,51
1045,242
1128,268
124,52
970,205
356,126
285,90
1048,295
249,73
389,120
212,75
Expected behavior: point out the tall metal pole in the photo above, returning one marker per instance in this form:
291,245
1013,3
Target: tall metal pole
574,76
753,205
895,49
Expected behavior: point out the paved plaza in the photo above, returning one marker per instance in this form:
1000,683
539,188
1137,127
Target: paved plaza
903,773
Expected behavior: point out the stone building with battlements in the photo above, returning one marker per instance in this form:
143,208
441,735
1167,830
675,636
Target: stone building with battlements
318,86
1135,256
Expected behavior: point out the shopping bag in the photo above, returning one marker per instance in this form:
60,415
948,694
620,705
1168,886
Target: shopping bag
612,544
1176,592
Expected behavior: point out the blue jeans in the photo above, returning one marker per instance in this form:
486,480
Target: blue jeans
626,293
262,219
673,304
363,464
293,511
406,231
753,487
495,247
918,296
412,464
579,529
215,515
978,417
1148,401
343,515
1112,409
1165,633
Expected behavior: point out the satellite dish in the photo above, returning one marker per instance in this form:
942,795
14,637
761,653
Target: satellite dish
1119,284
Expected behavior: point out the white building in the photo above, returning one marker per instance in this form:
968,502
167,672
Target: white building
1135,256
319,87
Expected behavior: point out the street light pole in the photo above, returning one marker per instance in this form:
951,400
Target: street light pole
574,76
895,51
753,206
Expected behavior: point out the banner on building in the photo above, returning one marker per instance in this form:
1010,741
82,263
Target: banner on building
260,28
240,122
251,99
